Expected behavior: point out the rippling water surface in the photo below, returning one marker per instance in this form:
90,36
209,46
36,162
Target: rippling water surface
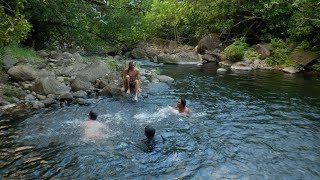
244,125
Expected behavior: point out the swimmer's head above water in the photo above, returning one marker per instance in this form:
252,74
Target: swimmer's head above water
149,132
93,115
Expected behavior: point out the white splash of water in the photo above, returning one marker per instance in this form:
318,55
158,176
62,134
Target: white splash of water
156,116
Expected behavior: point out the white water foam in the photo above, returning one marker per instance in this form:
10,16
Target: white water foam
156,116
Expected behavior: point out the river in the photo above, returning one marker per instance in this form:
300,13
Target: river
243,125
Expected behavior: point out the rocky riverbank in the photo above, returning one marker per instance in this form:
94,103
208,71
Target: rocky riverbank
64,77
60,78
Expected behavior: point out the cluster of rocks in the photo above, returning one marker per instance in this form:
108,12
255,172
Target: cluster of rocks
58,78
209,49
69,77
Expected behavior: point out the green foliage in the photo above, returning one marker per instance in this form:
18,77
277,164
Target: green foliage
168,19
316,66
250,53
280,51
16,51
107,24
280,54
157,71
114,64
13,26
9,90
235,51
91,24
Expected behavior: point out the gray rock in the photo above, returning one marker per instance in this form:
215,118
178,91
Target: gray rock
95,71
221,70
225,63
22,73
4,78
164,78
8,106
43,53
209,42
81,83
66,97
49,85
30,98
8,62
77,57
241,66
303,57
110,91
291,70
180,58
138,53
209,58
37,105
55,55
263,50
80,94
67,55
41,97
48,101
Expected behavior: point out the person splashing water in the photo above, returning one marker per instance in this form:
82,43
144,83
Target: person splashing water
94,130
181,106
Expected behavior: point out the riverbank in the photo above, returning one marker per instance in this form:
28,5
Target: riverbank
59,78
54,78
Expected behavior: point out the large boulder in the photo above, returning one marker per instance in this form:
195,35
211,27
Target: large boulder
72,70
263,50
22,73
111,91
95,71
138,53
81,83
209,42
180,58
303,57
49,85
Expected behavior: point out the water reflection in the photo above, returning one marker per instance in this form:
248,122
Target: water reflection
254,125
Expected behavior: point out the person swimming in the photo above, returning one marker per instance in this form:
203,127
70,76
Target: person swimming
181,106
93,129
151,141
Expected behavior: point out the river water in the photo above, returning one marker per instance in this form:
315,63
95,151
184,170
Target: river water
243,125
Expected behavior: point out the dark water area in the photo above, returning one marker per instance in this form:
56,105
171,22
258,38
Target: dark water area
243,125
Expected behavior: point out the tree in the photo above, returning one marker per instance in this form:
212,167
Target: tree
169,18
86,23
13,26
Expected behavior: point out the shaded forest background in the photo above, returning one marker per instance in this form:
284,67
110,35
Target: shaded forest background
120,24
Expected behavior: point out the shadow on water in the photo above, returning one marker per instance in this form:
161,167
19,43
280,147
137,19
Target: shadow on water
258,124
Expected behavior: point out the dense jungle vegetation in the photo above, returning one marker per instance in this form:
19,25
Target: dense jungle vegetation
119,24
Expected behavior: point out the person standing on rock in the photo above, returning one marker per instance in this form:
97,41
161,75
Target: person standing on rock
131,77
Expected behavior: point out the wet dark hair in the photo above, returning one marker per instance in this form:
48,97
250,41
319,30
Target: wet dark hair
183,102
149,131
131,62
93,115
